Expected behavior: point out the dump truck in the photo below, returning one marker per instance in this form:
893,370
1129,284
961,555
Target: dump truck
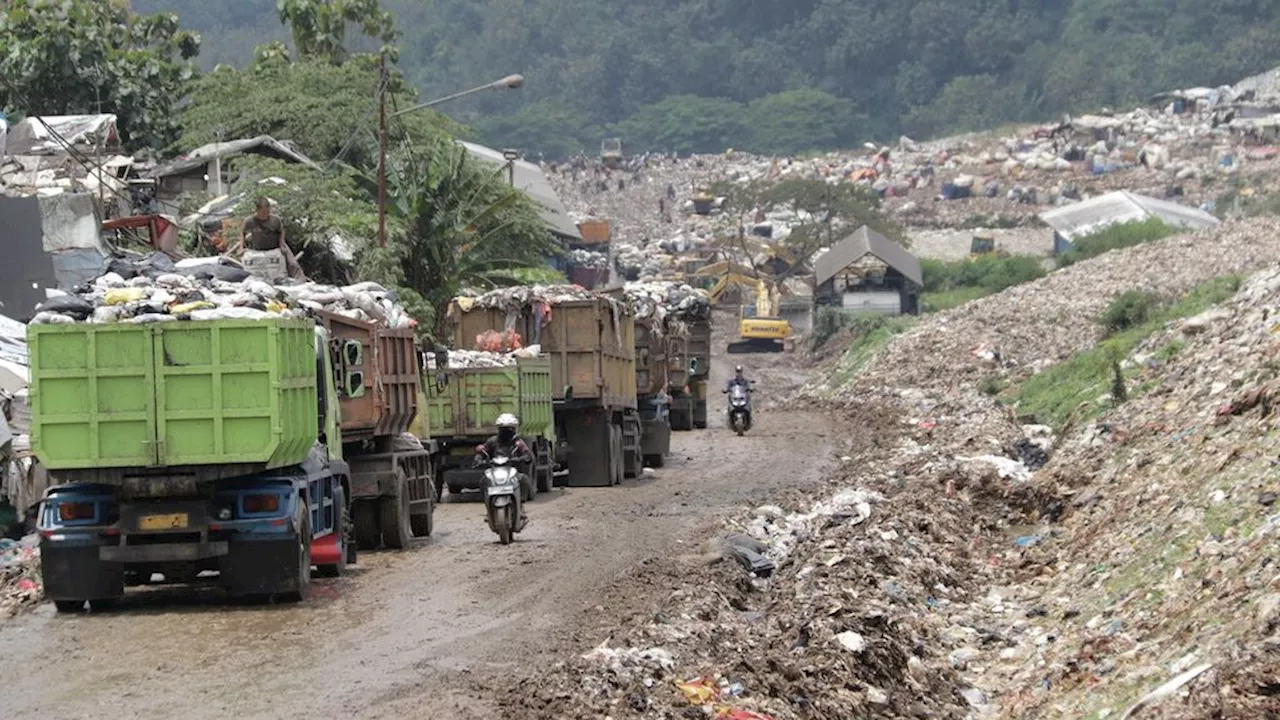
462,408
591,346
656,349
378,376
689,388
185,447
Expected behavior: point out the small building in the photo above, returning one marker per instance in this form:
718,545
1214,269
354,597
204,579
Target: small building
1086,217
868,272
202,171
529,177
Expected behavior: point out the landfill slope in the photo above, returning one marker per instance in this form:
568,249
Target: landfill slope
938,574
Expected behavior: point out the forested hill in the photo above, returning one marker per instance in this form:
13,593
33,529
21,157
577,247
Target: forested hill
783,76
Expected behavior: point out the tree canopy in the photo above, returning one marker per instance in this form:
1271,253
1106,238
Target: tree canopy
327,110
596,68
86,56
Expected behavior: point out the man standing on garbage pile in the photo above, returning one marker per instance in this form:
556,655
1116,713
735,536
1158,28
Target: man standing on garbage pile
263,234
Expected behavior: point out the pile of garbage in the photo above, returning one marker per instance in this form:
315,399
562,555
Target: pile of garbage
1180,588
20,584
579,257
468,359
156,289
963,565
521,297
659,299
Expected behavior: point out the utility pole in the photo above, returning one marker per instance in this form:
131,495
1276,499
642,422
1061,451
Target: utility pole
382,150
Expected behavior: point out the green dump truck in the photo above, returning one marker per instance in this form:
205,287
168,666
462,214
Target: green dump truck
179,448
463,405
591,346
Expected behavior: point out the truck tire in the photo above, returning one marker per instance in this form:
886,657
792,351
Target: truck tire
423,524
397,528
69,606
616,461
367,531
303,579
102,604
655,460
543,473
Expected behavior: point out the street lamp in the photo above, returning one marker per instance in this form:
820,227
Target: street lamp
510,82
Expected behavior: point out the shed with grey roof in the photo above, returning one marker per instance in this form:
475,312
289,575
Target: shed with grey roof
868,272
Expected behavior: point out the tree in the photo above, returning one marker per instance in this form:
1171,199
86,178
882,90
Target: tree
85,56
686,124
461,225
798,120
319,27
325,109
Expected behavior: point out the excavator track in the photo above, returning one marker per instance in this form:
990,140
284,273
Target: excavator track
756,345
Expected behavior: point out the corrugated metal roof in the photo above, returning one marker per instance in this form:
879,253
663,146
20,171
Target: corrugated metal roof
31,135
200,156
531,179
1089,216
865,241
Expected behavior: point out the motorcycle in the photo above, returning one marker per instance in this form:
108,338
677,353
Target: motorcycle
503,498
739,408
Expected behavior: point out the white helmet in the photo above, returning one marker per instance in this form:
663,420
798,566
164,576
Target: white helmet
507,420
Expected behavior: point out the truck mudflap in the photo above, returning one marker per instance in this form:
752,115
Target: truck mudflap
260,566
71,570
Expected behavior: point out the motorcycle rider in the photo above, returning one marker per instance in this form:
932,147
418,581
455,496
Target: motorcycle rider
738,379
507,443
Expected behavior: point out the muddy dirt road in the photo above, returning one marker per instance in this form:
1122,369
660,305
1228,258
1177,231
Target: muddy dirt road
408,634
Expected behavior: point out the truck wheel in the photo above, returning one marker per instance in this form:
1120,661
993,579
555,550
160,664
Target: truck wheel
423,524
102,604
394,513
69,606
367,531
543,472
616,460
303,579
655,460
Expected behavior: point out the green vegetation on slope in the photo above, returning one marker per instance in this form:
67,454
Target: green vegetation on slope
873,333
950,284
783,76
1115,237
1053,396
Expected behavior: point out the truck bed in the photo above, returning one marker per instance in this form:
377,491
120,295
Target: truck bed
592,350
220,392
376,370
469,403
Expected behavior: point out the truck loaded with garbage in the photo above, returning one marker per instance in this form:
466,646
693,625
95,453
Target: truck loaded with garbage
195,421
617,359
589,340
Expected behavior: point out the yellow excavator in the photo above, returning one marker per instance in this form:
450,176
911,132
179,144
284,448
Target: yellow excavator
760,325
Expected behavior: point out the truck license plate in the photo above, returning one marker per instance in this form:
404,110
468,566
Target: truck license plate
170,521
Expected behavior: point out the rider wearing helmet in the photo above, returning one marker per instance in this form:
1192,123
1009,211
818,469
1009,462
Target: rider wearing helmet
508,443
739,378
